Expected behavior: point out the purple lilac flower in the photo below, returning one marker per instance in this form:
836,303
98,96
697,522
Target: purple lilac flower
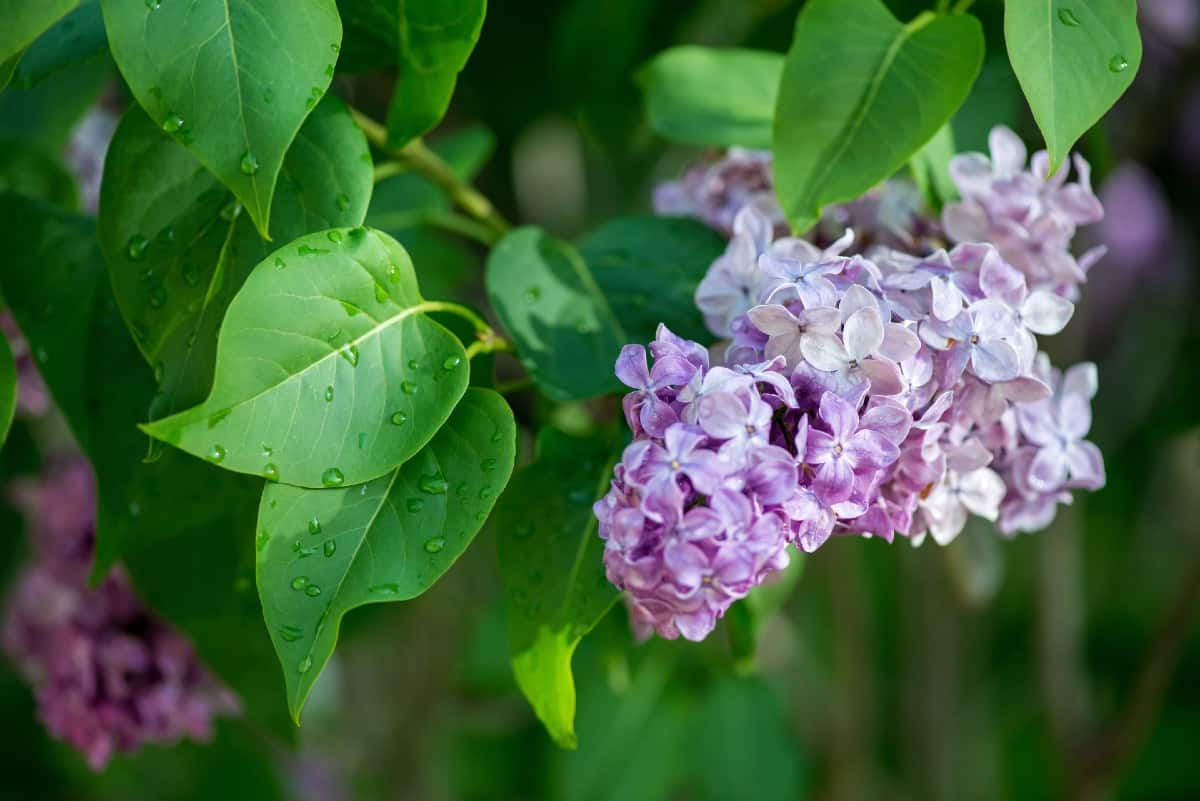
867,390
109,676
717,191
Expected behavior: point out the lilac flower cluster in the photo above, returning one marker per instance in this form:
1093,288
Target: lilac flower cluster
870,390
109,676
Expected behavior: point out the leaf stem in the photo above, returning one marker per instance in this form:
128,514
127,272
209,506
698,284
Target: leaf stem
387,169
963,6
420,158
516,385
463,226
481,325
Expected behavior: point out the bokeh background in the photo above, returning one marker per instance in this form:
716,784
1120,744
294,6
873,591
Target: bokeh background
1058,665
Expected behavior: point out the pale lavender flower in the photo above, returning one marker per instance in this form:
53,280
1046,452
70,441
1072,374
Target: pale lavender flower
86,151
717,191
845,451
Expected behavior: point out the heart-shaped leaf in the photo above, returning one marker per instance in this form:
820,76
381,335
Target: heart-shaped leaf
648,268
230,79
564,330
850,116
322,553
328,370
24,21
178,250
1073,60
552,566
436,39
710,97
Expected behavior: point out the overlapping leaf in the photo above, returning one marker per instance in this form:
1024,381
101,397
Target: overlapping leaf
231,79
860,94
436,39
8,388
328,371
1073,60
24,21
322,553
178,249
560,321
705,96
648,268
551,563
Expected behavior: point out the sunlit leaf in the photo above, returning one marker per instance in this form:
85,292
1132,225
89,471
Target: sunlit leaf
25,20
328,371
1073,59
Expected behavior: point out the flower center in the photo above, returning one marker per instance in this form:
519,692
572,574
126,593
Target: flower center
675,465
974,339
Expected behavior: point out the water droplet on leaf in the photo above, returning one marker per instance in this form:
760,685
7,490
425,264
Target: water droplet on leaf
1118,63
314,526
290,633
271,471
299,582
435,545
172,123
408,387
249,165
399,419
434,484
137,247
330,547
333,477
216,453
1067,17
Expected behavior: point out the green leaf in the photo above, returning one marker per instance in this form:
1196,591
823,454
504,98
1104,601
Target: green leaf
44,115
565,332
8,68
1073,60
230,79
25,20
178,251
710,97
371,29
8,388
745,619
76,38
31,171
50,275
176,522
551,564
849,117
746,744
648,267
322,553
436,39
328,370
931,169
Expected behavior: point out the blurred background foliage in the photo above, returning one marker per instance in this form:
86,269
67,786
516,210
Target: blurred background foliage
982,671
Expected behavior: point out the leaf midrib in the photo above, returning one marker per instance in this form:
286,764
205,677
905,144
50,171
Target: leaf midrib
850,131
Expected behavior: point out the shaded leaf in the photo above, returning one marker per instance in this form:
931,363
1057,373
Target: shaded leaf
230,79
8,388
44,115
1073,61
322,553
551,564
712,97
25,21
77,37
648,267
328,370
174,521
566,334
436,39
835,139
931,169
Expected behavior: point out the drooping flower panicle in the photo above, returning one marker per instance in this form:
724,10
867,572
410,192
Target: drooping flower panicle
876,385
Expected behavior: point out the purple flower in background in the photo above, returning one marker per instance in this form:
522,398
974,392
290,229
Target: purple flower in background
86,151
716,192
109,676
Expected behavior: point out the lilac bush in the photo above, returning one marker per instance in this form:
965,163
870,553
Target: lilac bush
886,383
108,674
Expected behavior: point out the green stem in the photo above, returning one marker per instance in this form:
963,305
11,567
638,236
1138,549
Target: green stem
387,169
463,226
488,343
420,158
516,385
963,6
481,326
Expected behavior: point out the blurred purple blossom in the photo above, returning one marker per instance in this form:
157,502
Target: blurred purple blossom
108,674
